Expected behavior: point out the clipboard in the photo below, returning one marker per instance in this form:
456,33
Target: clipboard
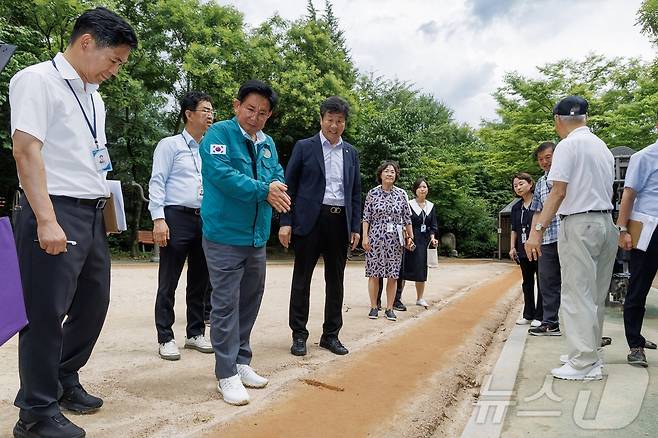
641,227
113,213
635,230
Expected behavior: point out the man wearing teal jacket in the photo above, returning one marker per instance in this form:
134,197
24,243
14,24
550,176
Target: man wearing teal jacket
242,181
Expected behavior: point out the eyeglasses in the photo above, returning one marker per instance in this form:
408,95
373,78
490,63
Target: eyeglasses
207,111
261,115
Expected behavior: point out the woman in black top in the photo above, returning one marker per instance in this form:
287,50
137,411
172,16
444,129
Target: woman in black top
523,186
423,221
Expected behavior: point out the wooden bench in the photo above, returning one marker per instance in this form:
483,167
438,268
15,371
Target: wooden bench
145,237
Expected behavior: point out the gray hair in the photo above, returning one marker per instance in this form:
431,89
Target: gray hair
573,119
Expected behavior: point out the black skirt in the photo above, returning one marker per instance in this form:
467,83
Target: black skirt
415,262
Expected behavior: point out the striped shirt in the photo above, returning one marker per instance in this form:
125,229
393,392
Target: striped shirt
542,189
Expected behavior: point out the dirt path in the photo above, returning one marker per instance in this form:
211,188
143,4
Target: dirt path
148,397
359,397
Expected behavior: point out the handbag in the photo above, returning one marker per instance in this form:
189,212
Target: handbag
12,311
432,256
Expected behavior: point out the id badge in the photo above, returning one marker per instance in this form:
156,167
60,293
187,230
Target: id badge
199,192
102,160
390,227
523,236
423,228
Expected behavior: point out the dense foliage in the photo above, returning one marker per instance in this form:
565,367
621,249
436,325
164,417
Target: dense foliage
195,44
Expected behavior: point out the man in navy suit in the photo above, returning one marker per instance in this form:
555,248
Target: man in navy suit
324,184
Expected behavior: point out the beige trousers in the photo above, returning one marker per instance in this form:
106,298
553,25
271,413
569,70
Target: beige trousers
587,246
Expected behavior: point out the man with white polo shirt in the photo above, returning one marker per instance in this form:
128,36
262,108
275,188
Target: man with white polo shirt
641,198
175,194
58,135
582,173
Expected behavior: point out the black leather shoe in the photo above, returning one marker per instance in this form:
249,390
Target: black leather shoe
57,426
298,347
78,401
333,345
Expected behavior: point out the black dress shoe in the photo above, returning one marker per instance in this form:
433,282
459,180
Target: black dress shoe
79,401
57,426
298,347
333,345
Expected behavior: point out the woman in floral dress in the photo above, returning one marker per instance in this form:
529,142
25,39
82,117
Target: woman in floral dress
386,232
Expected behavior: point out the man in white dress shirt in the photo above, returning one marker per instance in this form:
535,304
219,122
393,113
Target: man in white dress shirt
582,173
58,136
175,193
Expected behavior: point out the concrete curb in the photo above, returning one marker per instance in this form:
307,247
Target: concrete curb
497,390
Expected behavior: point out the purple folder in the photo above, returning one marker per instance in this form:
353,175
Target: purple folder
12,306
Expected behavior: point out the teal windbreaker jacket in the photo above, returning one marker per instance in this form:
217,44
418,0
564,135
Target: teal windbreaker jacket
234,207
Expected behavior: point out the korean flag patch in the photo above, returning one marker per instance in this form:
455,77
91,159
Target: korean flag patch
218,149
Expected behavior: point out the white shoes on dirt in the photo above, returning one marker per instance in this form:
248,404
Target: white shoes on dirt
199,343
531,322
249,377
233,391
422,303
568,372
169,351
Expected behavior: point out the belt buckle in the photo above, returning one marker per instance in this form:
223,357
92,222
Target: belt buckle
335,210
100,204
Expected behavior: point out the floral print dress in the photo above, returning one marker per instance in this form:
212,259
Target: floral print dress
385,211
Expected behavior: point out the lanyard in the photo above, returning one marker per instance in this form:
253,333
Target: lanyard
523,210
191,153
422,214
92,129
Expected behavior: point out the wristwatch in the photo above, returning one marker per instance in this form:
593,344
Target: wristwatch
539,226
622,229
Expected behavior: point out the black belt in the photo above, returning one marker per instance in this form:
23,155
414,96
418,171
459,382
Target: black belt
562,216
333,209
97,203
196,211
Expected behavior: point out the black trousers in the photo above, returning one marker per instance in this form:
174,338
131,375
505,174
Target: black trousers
550,283
529,272
329,239
643,266
74,285
184,244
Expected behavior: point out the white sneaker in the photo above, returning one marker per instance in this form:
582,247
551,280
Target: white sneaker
535,323
568,372
250,378
233,391
169,351
523,321
422,303
199,343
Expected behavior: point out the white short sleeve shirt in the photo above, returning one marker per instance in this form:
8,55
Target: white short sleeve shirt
585,163
43,106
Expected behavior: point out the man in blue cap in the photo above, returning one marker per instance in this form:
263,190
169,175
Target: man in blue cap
582,173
